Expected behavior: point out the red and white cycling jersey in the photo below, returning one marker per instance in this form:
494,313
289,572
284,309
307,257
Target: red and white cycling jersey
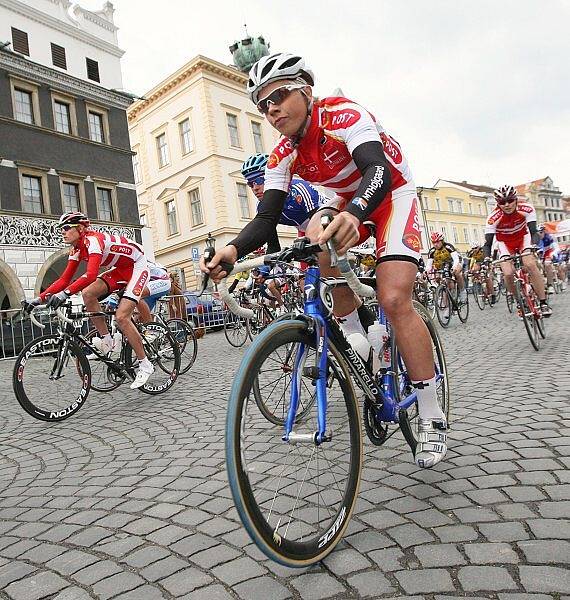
324,155
115,250
511,229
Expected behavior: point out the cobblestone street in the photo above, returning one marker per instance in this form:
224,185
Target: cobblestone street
128,499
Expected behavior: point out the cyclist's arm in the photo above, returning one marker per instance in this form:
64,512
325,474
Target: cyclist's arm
259,230
376,179
273,244
534,235
489,237
60,284
455,258
93,264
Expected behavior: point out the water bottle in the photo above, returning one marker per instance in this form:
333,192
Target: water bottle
117,343
378,338
360,344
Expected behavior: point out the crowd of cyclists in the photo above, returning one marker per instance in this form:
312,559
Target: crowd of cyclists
339,146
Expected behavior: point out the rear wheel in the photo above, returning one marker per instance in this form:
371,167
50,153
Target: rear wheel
235,329
103,378
443,305
478,294
183,334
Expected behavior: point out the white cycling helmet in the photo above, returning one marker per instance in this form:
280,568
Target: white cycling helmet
277,67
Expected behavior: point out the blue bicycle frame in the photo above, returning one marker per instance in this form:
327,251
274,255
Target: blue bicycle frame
379,389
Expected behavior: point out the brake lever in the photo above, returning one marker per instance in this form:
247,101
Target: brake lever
209,253
326,220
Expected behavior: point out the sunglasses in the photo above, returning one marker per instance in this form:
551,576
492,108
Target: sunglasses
67,227
277,96
259,180
503,202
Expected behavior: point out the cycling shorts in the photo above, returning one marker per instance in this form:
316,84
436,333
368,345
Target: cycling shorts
512,246
132,277
397,224
157,289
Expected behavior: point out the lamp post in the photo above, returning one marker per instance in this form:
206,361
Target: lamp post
210,241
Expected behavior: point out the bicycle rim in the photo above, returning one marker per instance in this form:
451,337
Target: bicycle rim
47,383
478,295
295,500
184,335
463,309
443,305
235,330
527,317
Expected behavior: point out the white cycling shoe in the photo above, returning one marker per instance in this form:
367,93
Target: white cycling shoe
432,442
142,377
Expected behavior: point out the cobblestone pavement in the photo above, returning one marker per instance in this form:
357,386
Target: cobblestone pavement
128,499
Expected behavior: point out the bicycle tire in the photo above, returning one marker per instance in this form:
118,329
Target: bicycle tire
510,299
234,328
527,316
73,351
184,334
311,545
402,382
463,308
478,294
443,305
163,352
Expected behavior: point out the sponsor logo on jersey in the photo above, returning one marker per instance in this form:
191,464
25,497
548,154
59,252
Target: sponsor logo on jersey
411,237
283,149
339,119
299,199
273,161
139,285
375,183
494,216
307,170
360,202
526,208
116,249
391,148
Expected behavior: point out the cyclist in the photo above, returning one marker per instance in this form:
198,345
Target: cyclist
339,145
443,254
514,224
302,202
128,272
158,286
269,280
548,248
476,256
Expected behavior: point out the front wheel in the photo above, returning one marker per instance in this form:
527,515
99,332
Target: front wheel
294,499
184,335
51,378
478,294
443,305
463,307
527,316
235,329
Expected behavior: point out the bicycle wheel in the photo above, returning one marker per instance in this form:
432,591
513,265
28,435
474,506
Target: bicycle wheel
527,315
510,302
164,354
478,294
403,384
463,308
47,383
235,329
103,379
294,499
184,335
272,386
443,305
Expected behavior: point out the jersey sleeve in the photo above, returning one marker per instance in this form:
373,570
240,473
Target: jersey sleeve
60,284
307,192
278,172
491,225
530,214
352,123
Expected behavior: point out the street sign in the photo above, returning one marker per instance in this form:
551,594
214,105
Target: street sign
195,254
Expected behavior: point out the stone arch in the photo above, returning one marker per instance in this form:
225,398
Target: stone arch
11,284
59,256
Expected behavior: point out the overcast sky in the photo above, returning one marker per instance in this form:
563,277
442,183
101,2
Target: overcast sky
476,91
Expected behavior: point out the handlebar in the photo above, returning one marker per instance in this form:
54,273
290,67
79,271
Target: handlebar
59,312
513,256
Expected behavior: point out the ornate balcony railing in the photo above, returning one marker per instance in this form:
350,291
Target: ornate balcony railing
39,231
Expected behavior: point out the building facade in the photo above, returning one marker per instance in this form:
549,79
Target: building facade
65,141
458,209
545,197
190,136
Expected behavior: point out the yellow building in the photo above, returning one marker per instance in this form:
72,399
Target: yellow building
458,209
190,136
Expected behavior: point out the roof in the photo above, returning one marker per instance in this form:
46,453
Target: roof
523,187
472,186
465,187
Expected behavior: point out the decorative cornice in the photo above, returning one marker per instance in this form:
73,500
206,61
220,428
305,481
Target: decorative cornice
68,28
64,82
199,63
95,17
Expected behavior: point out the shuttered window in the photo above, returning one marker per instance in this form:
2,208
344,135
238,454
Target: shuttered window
58,56
20,41
92,69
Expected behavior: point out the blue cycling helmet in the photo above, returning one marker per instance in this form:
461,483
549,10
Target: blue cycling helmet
254,165
263,271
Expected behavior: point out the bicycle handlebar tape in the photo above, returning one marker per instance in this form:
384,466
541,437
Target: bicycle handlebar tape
232,303
355,284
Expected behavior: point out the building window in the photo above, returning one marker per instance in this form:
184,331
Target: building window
143,220
450,204
243,201
444,231
257,136
58,56
136,168
162,149
195,208
233,130
24,107
71,201
92,69
475,235
105,204
455,235
481,209
171,219
459,206
62,114
470,208
437,205
465,235
20,41
96,127
33,196
185,136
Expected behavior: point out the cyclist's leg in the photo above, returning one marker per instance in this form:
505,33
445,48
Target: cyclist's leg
91,295
145,306
535,276
507,268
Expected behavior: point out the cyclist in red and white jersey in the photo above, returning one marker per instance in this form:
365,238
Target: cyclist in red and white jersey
128,271
514,224
338,144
